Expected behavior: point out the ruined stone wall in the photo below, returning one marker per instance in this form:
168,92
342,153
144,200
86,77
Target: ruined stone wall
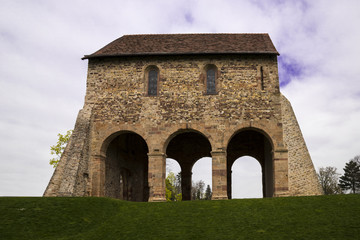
71,176
302,175
116,101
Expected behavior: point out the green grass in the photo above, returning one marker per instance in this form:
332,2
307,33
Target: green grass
321,217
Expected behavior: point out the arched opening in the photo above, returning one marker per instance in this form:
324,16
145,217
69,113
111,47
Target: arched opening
172,166
201,172
251,142
246,173
126,168
173,180
187,147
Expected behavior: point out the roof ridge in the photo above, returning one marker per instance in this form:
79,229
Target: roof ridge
187,43
158,34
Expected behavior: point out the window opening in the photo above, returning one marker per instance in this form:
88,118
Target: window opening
210,81
152,88
262,77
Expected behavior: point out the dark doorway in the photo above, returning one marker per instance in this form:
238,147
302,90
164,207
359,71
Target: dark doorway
252,143
186,148
126,168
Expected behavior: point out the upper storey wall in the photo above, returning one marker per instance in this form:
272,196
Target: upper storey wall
118,88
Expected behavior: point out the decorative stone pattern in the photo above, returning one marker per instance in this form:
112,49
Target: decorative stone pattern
117,108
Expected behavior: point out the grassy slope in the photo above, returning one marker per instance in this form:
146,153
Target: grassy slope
322,217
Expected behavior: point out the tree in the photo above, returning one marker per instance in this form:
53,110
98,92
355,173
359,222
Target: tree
173,190
178,187
328,178
58,149
197,190
170,188
208,193
357,159
351,178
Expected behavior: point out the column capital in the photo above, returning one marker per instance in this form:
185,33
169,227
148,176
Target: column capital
281,150
218,152
156,154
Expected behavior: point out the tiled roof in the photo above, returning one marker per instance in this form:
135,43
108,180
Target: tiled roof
184,44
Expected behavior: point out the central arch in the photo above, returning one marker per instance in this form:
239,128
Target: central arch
186,147
255,143
246,174
126,167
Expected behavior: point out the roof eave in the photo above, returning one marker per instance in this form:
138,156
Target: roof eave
176,54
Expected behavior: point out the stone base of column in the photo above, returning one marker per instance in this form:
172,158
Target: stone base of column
157,199
219,198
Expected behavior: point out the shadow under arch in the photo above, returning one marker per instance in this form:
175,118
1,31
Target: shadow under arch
257,144
126,166
186,147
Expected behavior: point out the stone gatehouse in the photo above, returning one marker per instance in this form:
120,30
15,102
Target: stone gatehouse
183,96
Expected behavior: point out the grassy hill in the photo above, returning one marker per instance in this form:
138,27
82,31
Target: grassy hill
320,217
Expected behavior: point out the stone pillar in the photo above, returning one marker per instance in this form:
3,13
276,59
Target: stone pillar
186,182
156,176
281,180
229,182
219,175
98,176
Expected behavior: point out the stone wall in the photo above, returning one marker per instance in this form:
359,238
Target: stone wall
71,176
302,175
116,103
115,83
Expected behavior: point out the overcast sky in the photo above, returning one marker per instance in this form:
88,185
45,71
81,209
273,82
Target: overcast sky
43,79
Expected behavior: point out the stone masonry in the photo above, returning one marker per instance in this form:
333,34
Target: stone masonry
123,134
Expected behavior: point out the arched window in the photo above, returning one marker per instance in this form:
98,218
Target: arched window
152,82
211,80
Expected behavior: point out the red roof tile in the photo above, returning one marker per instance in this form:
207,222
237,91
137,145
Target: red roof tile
183,44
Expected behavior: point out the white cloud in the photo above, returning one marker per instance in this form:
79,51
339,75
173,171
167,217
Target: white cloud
42,79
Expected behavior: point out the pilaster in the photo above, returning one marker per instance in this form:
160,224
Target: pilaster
281,181
156,176
98,176
219,175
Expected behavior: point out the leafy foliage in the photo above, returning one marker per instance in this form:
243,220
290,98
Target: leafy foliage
59,147
173,187
328,178
351,178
